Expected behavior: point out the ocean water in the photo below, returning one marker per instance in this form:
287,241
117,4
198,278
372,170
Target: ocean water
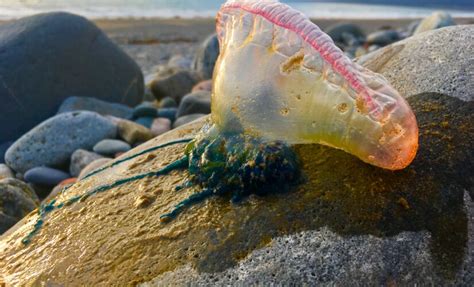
11,9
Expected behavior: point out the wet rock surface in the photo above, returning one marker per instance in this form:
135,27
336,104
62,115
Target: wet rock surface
346,222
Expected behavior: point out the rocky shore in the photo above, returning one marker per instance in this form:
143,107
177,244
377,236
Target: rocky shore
86,104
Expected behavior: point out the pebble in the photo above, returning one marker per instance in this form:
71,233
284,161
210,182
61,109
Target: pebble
93,166
17,199
52,142
145,121
169,113
72,104
80,159
160,126
195,103
45,176
186,119
206,57
133,133
344,34
110,147
168,103
63,55
383,38
436,20
174,86
6,172
145,109
202,86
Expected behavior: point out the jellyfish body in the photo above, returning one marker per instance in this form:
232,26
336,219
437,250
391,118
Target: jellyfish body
280,77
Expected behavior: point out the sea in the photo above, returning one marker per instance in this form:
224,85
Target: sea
119,9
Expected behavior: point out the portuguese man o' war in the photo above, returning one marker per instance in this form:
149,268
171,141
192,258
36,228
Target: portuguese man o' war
279,80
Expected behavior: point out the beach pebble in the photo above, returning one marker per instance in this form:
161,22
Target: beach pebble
93,166
111,147
61,55
168,103
133,133
174,86
169,113
146,109
186,119
80,159
436,20
195,103
160,126
52,142
3,149
6,172
383,38
179,62
435,61
17,199
202,86
45,176
206,57
72,104
145,121
345,34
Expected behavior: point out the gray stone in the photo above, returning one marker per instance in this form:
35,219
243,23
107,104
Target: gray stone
49,57
195,103
5,172
383,38
169,113
145,121
186,119
345,33
436,20
72,104
437,61
111,147
160,126
52,142
179,62
93,166
45,176
174,86
133,133
145,109
206,57
203,86
80,159
168,103
17,199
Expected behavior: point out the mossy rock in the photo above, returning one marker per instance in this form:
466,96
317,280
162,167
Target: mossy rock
404,227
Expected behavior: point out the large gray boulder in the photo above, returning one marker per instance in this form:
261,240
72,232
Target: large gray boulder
206,57
52,142
49,57
438,61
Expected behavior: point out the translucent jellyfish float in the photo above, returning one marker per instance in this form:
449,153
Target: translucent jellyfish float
279,80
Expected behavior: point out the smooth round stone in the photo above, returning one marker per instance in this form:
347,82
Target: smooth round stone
174,86
45,176
72,104
195,103
133,133
202,86
145,109
436,20
186,119
93,166
383,38
111,147
52,142
61,55
169,113
80,159
206,57
160,126
17,199
6,172
168,103
145,121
